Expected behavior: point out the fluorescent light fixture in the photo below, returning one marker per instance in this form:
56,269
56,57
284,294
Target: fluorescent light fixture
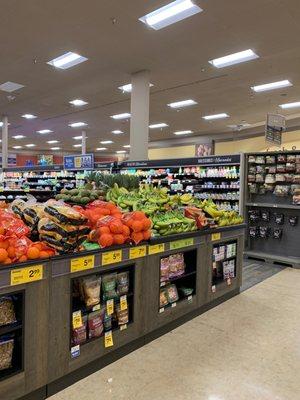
215,116
10,87
77,124
52,141
121,151
182,103
126,146
272,86
128,88
106,142
29,116
117,132
17,147
235,58
44,131
77,145
101,148
30,145
78,102
55,148
121,116
286,106
77,137
19,137
171,13
67,60
182,132
157,126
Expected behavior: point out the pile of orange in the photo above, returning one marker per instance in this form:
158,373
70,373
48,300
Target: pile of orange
13,250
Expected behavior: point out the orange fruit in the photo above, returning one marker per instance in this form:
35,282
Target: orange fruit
137,237
33,253
106,240
44,254
138,215
11,251
116,227
103,230
119,239
126,231
2,230
3,255
137,226
38,246
22,258
147,235
146,224
4,244
7,261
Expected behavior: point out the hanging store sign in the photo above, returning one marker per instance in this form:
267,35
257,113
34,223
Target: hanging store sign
83,161
275,125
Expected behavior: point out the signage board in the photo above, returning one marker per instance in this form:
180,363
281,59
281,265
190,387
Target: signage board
275,125
82,161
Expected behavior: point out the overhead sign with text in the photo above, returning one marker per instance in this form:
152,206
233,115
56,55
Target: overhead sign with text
82,161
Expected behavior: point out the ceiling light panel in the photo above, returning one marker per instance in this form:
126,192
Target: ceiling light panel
55,148
10,87
30,145
128,88
19,137
77,145
157,126
126,146
117,132
182,103
29,116
121,151
101,148
170,14
215,116
286,106
52,141
78,124
187,132
106,142
233,59
272,86
121,116
17,147
78,103
44,131
77,137
67,60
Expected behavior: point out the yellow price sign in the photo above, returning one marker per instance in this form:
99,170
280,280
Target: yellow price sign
215,236
156,248
111,257
1,189
179,244
110,307
77,162
27,190
108,339
82,263
26,275
137,252
77,319
123,303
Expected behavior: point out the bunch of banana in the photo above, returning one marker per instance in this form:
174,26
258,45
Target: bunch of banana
172,222
115,192
187,198
147,207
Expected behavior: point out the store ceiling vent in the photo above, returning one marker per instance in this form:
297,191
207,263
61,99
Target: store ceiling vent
10,87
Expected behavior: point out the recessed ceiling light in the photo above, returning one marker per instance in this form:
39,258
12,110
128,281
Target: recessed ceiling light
121,151
182,132
296,104
78,102
77,137
77,124
235,58
44,131
10,87
156,126
121,116
128,88
171,13
52,141
182,103
30,145
67,60
101,148
106,142
271,86
17,147
29,116
117,132
126,146
77,145
55,148
19,137
215,116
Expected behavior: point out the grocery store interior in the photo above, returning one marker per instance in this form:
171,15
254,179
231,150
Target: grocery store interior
150,200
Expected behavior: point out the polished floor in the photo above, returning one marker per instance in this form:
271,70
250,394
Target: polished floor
245,349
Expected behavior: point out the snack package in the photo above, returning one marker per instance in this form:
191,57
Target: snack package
6,352
293,220
172,293
7,311
291,158
281,190
91,287
107,322
279,218
264,232
122,315
186,291
176,265
277,233
95,323
163,297
260,160
281,158
270,160
164,269
122,283
79,335
228,269
251,159
253,231
109,283
254,215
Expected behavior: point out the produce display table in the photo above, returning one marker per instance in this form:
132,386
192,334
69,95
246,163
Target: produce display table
50,361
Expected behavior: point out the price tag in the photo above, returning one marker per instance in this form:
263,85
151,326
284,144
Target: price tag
123,303
190,299
215,236
108,339
110,307
214,289
77,319
179,244
161,310
228,281
111,257
27,190
1,189
156,248
26,275
123,327
97,307
75,351
137,252
82,263
174,305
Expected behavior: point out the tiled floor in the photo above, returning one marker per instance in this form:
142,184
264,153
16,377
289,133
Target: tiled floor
246,348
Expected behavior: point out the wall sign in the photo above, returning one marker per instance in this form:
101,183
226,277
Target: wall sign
83,161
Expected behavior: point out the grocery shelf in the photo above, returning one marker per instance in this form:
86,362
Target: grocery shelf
171,280
10,328
272,205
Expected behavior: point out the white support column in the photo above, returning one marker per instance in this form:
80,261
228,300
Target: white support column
83,143
139,123
4,142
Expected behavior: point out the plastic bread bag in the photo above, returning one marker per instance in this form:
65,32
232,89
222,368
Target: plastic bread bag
123,283
7,311
63,214
91,287
17,207
95,323
59,231
109,283
6,352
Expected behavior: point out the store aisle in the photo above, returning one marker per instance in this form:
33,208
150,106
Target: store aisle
246,348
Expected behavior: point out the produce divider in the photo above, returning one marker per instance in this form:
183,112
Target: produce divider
52,315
